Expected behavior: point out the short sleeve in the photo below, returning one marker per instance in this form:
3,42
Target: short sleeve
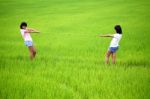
22,31
114,35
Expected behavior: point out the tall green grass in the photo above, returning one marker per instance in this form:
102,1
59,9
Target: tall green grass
70,56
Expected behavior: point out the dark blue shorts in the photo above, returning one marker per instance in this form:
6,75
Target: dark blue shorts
113,49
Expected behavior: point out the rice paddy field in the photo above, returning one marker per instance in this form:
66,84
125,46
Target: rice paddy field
70,56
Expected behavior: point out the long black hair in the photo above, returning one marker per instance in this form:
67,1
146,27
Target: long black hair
23,24
118,29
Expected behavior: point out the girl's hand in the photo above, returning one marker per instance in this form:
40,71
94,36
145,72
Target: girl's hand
106,35
35,31
99,35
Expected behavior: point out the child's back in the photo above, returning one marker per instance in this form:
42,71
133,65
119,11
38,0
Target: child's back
115,40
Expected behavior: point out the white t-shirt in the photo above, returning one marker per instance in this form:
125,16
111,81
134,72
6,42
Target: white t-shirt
26,36
115,40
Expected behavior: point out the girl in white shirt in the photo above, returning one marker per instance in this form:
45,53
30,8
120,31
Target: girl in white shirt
114,45
25,32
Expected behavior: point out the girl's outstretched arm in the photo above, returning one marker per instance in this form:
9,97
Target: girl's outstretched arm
29,30
106,35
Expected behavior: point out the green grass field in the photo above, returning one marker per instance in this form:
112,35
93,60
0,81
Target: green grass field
70,55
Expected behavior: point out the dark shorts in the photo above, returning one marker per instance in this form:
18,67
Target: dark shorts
113,49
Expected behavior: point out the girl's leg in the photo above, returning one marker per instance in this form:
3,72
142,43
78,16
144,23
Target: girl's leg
32,52
113,58
107,57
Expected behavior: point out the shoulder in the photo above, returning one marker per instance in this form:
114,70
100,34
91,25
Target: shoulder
114,35
22,31
117,34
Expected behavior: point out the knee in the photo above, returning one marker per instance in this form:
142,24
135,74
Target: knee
34,52
114,55
107,55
